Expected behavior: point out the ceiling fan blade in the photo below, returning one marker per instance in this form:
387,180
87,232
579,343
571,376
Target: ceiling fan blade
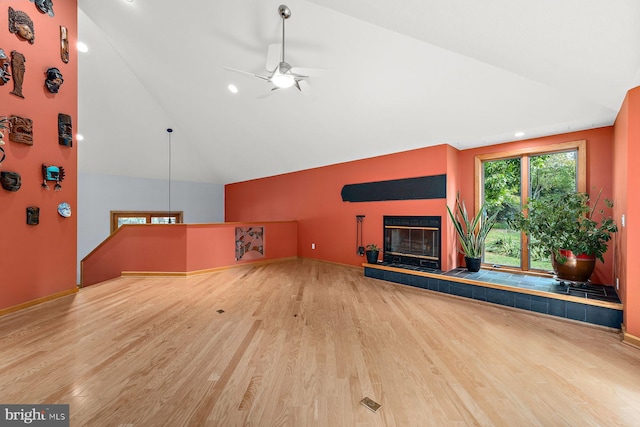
273,56
268,93
304,87
247,73
306,71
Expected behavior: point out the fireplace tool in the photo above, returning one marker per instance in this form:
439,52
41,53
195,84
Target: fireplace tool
359,245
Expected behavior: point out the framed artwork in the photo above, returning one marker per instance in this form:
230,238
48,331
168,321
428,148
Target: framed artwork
249,243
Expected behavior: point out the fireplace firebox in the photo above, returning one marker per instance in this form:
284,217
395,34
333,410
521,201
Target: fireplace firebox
412,240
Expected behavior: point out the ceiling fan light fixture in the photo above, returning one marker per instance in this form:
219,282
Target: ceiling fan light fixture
283,81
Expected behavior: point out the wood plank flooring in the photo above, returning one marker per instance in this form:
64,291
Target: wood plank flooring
300,343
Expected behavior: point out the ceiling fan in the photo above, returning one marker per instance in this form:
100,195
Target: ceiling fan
280,73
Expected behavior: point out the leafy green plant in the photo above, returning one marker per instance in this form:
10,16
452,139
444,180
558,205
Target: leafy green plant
372,247
472,232
567,221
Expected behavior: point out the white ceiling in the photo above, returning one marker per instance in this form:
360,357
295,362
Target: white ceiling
401,75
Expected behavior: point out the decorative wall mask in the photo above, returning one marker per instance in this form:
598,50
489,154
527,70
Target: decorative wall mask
54,80
52,173
4,124
33,215
65,130
3,155
21,130
5,76
18,69
21,25
10,180
64,209
64,44
45,6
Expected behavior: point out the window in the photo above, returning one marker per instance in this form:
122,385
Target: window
119,218
506,180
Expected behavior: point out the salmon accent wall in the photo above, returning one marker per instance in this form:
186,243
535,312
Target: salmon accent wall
180,248
626,184
312,198
454,257
599,173
39,260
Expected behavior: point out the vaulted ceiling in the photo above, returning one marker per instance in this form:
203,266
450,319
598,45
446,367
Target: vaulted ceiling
398,76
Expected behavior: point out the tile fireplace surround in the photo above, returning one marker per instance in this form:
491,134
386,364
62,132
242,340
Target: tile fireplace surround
595,304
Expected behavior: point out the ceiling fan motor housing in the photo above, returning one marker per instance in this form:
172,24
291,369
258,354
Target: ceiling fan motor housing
284,11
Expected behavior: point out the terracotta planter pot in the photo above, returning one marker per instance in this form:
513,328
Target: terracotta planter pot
576,268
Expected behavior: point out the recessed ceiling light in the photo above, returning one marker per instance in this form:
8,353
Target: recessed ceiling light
79,137
82,47
519,134
233,89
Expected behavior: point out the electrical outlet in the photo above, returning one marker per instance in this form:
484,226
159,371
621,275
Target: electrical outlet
617,284
313,246
622,220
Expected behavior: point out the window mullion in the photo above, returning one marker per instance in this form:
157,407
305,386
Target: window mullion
525,193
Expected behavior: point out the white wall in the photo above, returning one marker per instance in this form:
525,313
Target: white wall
98,195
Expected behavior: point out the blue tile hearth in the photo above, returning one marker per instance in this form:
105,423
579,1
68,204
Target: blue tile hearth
595,304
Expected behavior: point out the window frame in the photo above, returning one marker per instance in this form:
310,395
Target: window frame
525,154
114,215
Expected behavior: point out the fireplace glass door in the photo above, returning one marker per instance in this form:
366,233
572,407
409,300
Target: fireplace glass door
412,241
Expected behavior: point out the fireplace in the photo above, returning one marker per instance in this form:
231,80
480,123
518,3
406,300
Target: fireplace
412,240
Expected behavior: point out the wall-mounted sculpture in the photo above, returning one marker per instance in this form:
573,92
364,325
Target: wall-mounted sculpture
11,181
64,44
3,156
21,130
5,76
249,240
64,209
33,215
52,173
65,130
4,124
54,80
18,69
45,6
21,25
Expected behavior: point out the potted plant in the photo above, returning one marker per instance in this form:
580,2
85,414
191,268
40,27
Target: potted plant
566,228
372,253
472,232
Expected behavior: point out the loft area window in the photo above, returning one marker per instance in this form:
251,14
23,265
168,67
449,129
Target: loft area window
119,218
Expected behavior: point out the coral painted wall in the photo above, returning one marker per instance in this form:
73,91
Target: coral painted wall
39,260
313,198
599,172
181,248
626,183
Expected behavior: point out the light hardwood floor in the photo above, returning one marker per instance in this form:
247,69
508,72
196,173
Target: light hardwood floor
300,343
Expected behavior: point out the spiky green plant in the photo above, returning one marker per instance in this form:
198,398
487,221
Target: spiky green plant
472,232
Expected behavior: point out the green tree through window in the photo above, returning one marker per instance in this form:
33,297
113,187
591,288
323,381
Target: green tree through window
507,180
